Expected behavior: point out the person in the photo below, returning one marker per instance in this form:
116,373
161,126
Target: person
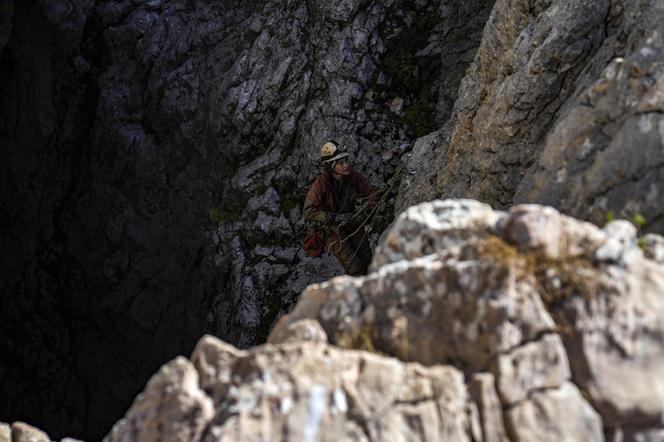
330,204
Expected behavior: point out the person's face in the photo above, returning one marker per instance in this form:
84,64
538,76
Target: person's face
342,166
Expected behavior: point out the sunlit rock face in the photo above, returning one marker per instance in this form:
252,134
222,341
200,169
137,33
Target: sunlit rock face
565,316
155,158
473,324
156,155
561,106
298,391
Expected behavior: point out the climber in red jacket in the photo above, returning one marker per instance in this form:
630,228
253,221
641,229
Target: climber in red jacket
330,203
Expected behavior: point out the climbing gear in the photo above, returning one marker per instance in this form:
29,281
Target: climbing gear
343,218
313,244
381,193
330,152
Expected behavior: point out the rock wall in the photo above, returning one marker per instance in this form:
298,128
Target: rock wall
562,105
562,318
473,324
156,157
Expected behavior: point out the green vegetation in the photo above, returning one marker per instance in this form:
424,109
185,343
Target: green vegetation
639,221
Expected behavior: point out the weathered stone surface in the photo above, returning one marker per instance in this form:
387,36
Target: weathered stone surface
656,435
141,140
561,106
483,391
312,391
554,415
533,366
653,247
536,298
461,31
156,156
439,227
5,432
172,407
305,330
589,165
22,432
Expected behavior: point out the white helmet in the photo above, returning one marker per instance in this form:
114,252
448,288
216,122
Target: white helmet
331,152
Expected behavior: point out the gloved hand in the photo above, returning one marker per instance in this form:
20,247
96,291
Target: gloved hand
343,218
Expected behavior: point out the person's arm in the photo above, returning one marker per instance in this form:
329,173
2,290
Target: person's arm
364,188
313,210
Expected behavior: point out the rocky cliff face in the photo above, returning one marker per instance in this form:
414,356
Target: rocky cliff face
156,154
521,326
562,105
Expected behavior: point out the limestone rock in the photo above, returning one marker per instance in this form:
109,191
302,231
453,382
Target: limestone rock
654,247
22,432
308,391
172,408
483,391
555,415
533,366
561,106
5,432
544,302
142,142
305,330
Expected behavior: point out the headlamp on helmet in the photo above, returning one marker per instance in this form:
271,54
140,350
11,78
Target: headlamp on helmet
331,152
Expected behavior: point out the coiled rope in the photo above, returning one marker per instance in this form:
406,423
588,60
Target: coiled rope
381,193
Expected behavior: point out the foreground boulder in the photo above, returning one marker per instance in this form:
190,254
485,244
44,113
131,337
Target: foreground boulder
298,391
564,315
22,432
473,325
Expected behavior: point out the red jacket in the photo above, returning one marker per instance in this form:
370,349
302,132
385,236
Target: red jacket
327,196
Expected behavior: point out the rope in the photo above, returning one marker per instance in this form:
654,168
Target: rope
383,191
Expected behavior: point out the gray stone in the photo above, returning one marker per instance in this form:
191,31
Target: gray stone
620,236
554,415
172,408
653,246
431,228
213,359
533,366
396,105
560,106
22,432
6,15
263,251
456,281
143,140
305,330
312,391
483,391
5,432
